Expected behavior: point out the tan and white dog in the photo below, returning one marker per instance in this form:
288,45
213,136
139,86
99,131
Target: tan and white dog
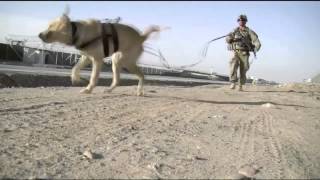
95,41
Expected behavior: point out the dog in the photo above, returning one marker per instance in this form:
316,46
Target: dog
95,41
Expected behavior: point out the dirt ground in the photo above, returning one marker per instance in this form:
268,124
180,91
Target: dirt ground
172,132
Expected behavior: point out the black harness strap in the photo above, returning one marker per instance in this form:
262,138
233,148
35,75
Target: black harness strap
105,38
115,38
74,31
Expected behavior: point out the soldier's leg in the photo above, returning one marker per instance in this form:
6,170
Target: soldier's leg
234,64
244,67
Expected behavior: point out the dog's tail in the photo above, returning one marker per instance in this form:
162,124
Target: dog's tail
154,28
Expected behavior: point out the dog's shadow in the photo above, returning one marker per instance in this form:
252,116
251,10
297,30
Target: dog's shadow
257,103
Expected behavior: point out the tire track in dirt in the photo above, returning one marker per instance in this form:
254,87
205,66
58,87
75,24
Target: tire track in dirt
273,145
247,140
6,100
243,135
296,155
32,107
186,132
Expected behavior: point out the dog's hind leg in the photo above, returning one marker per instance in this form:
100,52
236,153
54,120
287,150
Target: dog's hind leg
96,68
75,74
133,68
116,67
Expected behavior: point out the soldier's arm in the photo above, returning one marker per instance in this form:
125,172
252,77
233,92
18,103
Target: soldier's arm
230,38
255,40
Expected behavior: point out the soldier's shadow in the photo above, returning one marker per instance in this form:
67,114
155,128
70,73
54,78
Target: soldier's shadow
256,103
290,91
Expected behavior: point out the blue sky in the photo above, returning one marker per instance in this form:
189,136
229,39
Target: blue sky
288,31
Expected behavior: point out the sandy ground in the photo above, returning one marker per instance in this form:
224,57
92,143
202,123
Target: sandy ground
172,132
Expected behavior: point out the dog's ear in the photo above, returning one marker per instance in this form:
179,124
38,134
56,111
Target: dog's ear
65,15
66,10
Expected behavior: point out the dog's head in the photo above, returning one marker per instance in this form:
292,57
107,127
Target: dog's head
59,30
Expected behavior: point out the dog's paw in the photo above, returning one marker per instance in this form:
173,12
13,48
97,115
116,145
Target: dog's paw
85,91
140,93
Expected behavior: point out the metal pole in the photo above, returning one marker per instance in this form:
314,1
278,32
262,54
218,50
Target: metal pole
57,56
42,52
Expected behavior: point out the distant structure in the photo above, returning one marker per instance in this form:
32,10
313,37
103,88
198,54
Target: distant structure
30,50
316,79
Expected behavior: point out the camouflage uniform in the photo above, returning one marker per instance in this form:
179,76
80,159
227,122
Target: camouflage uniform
241,49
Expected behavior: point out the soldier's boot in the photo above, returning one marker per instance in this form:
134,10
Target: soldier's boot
233,85
240,87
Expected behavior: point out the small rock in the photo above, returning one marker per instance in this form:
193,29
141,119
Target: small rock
200,158
243,108
10,128
268,105
248,171
88,154
219,116
154,149
102,164
154,166
237,176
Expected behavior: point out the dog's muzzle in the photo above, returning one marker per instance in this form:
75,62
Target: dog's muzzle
44,36
41,36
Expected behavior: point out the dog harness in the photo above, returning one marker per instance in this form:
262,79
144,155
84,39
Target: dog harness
109,38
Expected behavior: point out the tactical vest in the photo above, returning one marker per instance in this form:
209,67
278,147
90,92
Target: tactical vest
240,45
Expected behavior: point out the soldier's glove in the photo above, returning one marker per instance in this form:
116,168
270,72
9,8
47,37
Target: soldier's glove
236,39
253,47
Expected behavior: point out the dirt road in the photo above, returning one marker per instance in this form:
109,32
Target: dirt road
172,132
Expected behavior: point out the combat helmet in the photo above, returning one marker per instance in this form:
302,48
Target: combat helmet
242,17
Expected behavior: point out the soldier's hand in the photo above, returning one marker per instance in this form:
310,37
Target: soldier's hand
253,47
236,39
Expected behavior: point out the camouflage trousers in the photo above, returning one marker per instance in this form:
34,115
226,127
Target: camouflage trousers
239,60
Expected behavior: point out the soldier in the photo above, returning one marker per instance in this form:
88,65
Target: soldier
241,41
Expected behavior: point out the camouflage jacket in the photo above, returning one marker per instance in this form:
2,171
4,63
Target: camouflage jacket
249,42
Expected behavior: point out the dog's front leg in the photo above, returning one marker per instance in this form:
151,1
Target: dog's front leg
75,74
116,58
96,68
